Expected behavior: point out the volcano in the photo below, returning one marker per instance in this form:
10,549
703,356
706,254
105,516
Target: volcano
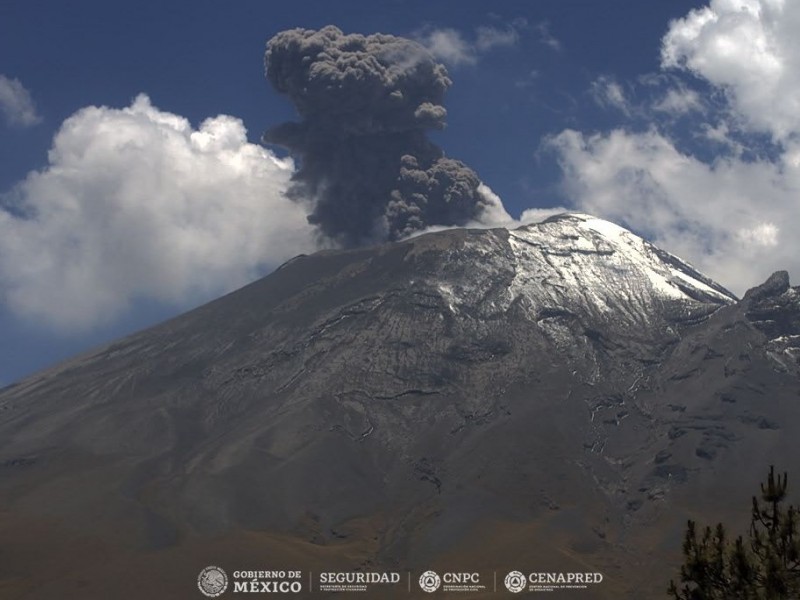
558,397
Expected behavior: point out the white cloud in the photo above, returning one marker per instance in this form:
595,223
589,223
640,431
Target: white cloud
16,103
678,101
608,93
542,31
449,46
135,203
732,210
492,37
733,219
751,50
720,133
762,234
494,213
537,215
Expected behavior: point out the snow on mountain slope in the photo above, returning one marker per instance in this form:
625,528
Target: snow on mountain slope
606,261
574,265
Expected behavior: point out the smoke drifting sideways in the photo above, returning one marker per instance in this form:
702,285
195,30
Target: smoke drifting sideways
366,164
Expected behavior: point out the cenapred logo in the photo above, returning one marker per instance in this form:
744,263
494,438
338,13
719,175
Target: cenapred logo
430,581
212,581
515,582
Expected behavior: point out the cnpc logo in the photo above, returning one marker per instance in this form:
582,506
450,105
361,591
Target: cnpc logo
430,581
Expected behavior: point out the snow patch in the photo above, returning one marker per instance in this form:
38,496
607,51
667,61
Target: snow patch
577,261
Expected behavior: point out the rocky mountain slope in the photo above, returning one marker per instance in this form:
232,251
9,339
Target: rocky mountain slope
558,397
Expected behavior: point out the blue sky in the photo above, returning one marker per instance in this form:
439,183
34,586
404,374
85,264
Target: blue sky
132,186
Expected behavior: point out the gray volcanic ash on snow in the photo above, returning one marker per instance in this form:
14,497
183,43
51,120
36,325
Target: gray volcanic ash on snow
366,164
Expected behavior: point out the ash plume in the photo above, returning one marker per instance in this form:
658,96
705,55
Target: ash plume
366,103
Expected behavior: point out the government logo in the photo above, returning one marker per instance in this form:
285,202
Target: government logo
429,581
515,582
212,581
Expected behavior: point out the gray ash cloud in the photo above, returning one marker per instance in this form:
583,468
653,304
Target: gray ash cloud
366,104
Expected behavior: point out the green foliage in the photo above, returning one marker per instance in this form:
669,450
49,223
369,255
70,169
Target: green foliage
766,566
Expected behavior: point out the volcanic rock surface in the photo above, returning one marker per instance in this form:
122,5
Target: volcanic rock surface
560,397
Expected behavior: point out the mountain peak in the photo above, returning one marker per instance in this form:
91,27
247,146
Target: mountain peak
577,258
775,285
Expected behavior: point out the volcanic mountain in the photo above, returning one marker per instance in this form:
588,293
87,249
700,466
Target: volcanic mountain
559,397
